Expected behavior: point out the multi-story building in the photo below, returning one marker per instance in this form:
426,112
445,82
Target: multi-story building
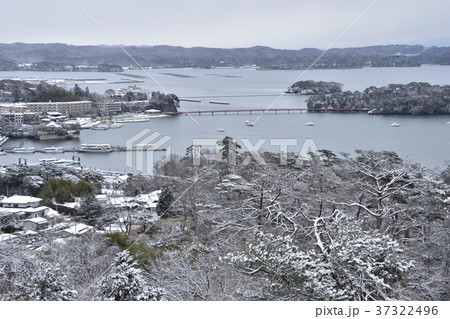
71,108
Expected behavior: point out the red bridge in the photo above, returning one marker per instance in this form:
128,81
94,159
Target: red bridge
276,110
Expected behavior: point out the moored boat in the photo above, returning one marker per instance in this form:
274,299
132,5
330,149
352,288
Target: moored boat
95,148
309,124
23,150
116,125
394,124
53,149
101,126
62,161
47,160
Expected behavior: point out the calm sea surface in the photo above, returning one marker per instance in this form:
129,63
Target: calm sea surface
423,139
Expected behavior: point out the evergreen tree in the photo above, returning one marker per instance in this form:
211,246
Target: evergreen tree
91,209
126,283
77,91
350,264
164,202
45,284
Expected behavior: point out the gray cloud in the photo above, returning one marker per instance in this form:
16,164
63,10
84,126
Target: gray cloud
289,24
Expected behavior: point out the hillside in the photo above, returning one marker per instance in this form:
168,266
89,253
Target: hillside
59,56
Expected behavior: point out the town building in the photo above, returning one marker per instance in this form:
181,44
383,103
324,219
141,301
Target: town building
71,108
109,108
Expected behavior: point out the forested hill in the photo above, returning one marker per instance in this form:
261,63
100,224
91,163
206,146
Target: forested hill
62,56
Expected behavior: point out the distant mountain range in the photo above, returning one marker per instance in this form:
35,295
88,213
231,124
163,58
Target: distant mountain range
52,57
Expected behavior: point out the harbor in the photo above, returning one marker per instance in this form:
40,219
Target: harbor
98,148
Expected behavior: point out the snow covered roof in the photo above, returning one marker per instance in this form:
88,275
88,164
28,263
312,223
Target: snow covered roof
151,205
101,197
37,220
154,196
53,124
73,205
6,236
34,209
112,192
18,199
77,229
51,213
5,212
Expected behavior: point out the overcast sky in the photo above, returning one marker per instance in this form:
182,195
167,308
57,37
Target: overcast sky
283,24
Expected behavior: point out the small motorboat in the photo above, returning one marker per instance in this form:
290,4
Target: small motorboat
220,130
116,125
248,123
53,149
394,124
309,124
47,160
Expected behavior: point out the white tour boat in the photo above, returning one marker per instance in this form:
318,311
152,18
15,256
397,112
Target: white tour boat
23,150
54,149
95,148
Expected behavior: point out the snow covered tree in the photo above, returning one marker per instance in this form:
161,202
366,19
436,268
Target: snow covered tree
380,176
91,209
46,283
289,273
349,264
125,282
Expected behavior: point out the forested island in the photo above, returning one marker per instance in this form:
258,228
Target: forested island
335,227
63,57
416,98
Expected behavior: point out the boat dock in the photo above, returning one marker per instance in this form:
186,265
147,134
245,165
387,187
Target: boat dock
77,150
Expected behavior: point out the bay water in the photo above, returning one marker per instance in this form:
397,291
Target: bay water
422,139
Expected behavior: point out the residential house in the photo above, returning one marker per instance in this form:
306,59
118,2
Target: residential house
35,224
18,201
77,229
23,207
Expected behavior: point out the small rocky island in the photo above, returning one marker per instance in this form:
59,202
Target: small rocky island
312,87
417,98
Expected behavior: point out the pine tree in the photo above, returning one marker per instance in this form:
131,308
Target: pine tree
126,283
164,202
350,264
91,209
45,284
